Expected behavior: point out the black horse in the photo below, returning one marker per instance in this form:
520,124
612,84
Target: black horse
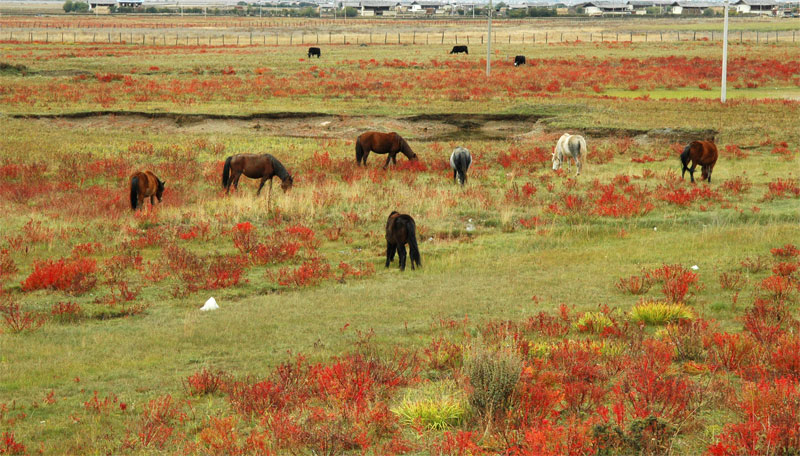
401,230
519,60
312,51
459,49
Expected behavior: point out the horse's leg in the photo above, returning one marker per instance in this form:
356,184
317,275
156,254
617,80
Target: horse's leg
578,165
364,157
269,197
394,159
691,171
401,252
388,157
390,249
152,200
261,185
236,181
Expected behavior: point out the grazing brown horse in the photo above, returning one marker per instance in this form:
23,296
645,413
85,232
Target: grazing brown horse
144,184
263,167
382,143
703,153
401,230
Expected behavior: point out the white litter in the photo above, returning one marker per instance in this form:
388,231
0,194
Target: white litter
695,267
211,304
655,228
325,124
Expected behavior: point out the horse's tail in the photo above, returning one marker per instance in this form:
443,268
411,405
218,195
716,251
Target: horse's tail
359,151
413,249
461,167
134,191
685,157
226,171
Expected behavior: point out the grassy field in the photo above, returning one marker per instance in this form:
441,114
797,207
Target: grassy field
316,347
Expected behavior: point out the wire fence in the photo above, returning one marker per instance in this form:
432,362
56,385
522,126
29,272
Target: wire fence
405,38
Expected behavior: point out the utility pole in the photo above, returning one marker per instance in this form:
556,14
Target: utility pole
489,42
724,86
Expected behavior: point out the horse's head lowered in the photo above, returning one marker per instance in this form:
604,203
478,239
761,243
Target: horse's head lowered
160,190
287,183
556,160
406,150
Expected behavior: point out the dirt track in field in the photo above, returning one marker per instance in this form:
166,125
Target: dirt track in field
426,127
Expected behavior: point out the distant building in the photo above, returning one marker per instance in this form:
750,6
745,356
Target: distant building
378,7
641,7
603,8
756,7
130,3
102,6
693,8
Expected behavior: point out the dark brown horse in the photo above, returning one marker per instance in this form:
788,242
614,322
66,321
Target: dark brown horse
703,153
263,167
401,230
382,143
144,184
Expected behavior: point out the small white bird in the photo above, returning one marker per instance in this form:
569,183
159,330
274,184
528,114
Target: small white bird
211,304
695,267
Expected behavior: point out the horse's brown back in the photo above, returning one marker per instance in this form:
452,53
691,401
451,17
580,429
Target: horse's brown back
380,143
252,165
704,153
148,183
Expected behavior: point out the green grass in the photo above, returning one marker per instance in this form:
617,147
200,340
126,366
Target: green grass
491,273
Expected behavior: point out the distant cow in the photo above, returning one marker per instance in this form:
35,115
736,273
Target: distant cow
312,51
519,60
459,49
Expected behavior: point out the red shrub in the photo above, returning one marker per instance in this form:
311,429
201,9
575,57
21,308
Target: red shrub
101,407
7,265
788,251
73,276
782,189
769,413
155,424
9,446
361,270
310,272
16,320
766,320
731,281
66,311
635,285
204,382
675,281
778,287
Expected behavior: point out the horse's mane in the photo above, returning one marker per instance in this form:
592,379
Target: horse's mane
404,146
279,169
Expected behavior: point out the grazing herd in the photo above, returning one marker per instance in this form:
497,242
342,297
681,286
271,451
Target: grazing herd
400,228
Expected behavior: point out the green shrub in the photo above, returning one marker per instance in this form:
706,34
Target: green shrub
434,407
493,376
593,322
660,313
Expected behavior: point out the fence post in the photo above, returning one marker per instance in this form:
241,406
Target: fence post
398,38
562,37
694,36
413,40
442,37
546,37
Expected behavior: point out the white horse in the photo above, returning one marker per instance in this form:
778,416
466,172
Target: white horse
460,160
571,146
